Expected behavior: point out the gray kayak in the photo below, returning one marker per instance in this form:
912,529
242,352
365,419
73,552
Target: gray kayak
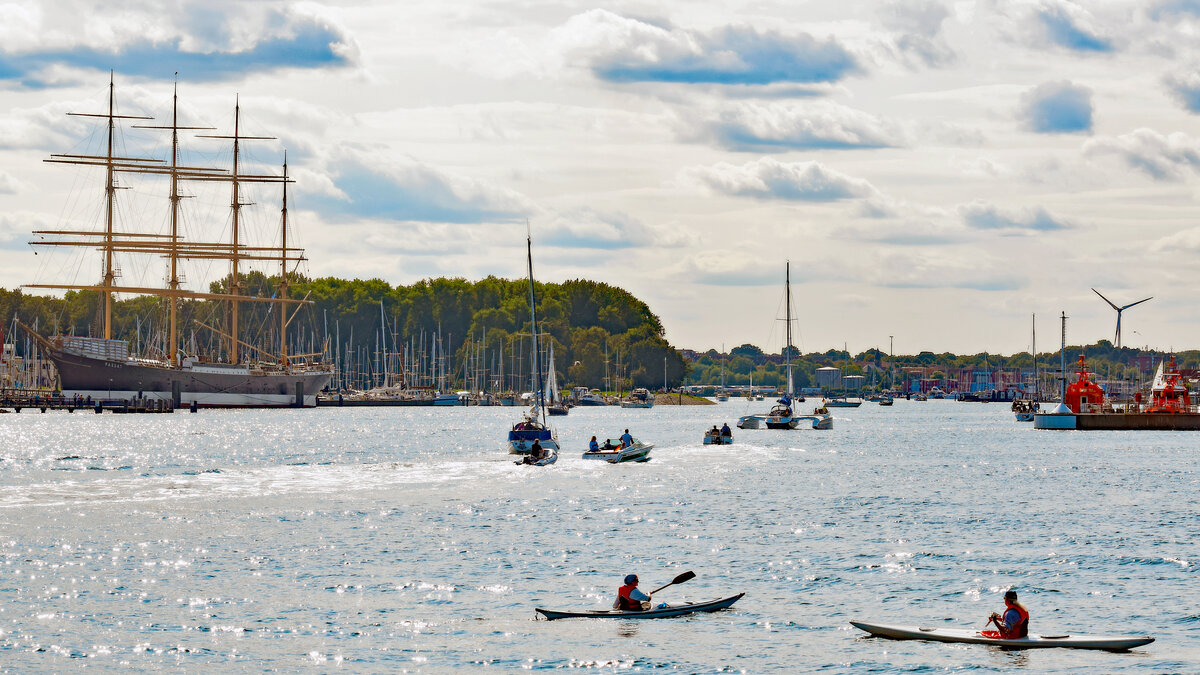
663,613
970,636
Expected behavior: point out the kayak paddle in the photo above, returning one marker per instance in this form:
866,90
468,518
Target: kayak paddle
686,576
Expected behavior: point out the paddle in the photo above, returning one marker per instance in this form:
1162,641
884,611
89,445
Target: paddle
686,576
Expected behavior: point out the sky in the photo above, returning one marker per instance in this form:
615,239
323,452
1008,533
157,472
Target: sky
934,172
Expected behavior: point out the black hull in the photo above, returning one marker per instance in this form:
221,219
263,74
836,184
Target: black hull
207,385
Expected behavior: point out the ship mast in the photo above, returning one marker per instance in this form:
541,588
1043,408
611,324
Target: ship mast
110,188
173,249
283,276
171,246
235,251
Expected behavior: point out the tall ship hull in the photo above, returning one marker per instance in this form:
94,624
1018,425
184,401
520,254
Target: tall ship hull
208,385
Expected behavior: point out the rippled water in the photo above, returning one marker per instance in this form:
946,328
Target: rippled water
395,539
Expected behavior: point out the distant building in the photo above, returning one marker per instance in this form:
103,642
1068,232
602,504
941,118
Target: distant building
854,382
829,377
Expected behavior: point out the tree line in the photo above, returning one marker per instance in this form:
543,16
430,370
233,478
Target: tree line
596,329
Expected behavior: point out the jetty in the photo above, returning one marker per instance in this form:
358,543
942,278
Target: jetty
42,400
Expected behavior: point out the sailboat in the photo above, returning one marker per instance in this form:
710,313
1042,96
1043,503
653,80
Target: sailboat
533,426
781,415
1026,409
244,374
556,404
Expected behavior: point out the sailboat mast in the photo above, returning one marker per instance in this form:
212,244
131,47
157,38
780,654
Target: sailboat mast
283,274
537,360
787,292
1037,385
110,194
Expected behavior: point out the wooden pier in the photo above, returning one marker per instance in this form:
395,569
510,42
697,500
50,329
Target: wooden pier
42,400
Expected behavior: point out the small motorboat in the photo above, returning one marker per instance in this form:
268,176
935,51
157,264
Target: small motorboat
820,419
715,437
613,452
654,613
991,637
545,461
638,398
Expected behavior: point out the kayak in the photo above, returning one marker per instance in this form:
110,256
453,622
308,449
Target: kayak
987,637
657,613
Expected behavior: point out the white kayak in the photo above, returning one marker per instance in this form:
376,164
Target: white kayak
978,637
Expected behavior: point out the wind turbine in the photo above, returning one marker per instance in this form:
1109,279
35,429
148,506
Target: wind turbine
1119,310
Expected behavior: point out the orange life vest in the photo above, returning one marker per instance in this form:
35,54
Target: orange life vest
1021,629
626,603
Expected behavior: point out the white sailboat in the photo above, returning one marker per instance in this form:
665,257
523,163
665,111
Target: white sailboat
533,428
722,395
555,403
781,415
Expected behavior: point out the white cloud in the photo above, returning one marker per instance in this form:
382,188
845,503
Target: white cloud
625,49
768,178
981,215
754,126
1172,157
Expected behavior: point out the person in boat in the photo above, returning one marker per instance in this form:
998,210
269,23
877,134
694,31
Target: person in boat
629,598
536,453
626,440
726,431
1014,623
593,446
713,431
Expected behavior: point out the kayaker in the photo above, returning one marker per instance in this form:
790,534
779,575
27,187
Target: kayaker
629,598
593,446
1014,623
626,439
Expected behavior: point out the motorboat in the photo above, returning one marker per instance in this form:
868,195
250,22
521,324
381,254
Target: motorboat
591,398
819,419
842,402
613,452
638,398
717,436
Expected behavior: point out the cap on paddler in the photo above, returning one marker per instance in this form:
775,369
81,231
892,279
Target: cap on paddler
630,579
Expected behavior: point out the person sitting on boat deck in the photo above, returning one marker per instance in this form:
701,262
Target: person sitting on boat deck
536,453
629,598
593,446
725,430
1014,623
626,439
713,431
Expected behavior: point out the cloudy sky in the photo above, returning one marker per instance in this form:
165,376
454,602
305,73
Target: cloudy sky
936,171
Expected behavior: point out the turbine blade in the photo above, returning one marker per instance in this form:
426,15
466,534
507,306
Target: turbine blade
1137,303
1110,303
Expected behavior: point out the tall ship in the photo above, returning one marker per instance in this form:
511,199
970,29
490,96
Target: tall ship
244,369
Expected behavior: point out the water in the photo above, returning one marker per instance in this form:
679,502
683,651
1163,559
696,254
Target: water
394,539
